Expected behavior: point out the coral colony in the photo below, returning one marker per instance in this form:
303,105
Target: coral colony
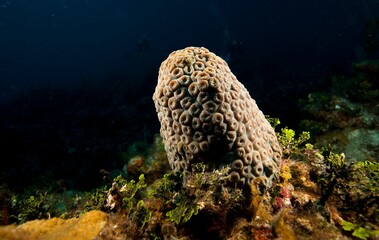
208,116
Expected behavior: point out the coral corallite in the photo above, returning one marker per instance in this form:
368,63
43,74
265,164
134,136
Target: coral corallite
208,116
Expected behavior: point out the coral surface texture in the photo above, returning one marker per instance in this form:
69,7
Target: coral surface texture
208,116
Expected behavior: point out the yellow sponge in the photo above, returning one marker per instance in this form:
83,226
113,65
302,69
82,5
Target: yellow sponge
86,227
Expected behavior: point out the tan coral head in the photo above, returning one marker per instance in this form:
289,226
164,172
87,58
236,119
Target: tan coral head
208,116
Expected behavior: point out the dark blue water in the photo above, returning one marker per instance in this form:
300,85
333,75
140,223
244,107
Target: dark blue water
61,42
57,58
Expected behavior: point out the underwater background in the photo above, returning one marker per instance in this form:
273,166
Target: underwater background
77,79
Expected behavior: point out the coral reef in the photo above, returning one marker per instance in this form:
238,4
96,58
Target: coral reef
208,116
318,195
346,114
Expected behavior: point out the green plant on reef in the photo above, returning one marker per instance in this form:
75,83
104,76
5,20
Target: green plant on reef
30,208
170,190
129,189
358,231
353,189
335,171
274,122
96,199
184,209
167,187
359,191
141,214
122,193
367,174
358,180
126,196
186,194
290,144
